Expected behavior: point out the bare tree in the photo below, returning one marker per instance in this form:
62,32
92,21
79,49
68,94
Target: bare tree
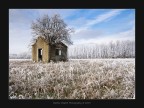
53,29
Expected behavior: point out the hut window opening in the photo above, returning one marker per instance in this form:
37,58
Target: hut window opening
58,51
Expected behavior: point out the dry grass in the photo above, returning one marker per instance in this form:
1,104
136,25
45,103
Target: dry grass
76,79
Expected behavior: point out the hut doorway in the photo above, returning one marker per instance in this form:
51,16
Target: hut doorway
40,54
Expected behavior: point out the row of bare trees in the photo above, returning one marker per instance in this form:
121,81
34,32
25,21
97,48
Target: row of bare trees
23,55
118,49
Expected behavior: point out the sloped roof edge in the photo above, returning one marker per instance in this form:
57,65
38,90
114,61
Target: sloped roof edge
46,41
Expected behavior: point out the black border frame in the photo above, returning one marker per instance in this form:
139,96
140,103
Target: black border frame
67,5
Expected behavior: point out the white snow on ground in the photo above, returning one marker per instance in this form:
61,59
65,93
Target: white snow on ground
117,59
20,59
75,79
78,59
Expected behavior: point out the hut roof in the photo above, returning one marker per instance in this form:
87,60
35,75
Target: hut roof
64,43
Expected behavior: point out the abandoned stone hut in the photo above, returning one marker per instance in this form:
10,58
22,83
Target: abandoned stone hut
45,52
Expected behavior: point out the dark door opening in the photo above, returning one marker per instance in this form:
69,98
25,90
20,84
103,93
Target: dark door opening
39,54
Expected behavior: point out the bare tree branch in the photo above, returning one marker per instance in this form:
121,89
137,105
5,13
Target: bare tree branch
53,29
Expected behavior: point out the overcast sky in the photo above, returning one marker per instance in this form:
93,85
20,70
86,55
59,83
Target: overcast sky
90,25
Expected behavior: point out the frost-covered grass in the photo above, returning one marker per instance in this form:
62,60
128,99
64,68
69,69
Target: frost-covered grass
76,79
19,59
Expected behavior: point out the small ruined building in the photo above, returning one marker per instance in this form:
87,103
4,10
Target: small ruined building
43,51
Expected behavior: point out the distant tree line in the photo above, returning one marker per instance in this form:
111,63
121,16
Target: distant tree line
23,55
118,49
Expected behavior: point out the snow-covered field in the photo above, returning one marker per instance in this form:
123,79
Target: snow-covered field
75,79
19,59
